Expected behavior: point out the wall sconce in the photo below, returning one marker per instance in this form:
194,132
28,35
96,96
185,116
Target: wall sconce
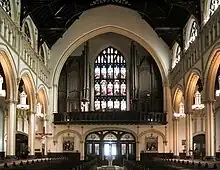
38,110
2,92
217,92
23,105
198,105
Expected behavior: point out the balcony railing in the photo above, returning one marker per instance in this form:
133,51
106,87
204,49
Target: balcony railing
127,117
207,37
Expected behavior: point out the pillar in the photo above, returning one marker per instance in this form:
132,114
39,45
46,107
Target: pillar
82,142
189,134
176,137
209,130
138,153
31,134
55,98
11,129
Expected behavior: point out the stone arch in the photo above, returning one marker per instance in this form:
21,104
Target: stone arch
43,97
69,131
31,26
153,131
143,34
191,20
211,71
10,74
199,133
192,80
108,128
29,84
177,98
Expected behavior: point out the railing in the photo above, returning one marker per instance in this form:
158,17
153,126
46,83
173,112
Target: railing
207,37
18,42
127,117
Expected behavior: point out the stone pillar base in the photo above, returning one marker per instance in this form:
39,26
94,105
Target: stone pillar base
11,157
210,158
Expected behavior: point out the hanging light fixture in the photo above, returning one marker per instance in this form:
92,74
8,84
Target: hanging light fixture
217,92
181,111
2,92
198,105
23,105
38,110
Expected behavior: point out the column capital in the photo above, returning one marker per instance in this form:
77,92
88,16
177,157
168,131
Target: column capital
11,101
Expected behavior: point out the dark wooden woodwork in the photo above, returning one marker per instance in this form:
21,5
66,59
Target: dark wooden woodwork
127,117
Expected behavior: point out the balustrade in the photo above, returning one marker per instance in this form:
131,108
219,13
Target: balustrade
20,44
128,117
205,40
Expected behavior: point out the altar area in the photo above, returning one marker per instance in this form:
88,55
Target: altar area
110,168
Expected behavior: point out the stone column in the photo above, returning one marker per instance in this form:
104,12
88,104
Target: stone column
31,134
138,153
82,142
175,137
189,134
11,130
209,130
55,98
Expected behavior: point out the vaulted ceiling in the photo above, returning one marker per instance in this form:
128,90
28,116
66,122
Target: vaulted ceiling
54,17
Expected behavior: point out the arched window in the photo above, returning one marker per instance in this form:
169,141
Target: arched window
127,137
27,32
110,81
5,4
214,4
93,136
110,136
177,56
193,32
42,53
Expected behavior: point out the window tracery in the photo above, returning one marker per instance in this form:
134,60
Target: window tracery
110,81
214,4
193,32
27,32
110,136
127,137
5,4
93,136
177,56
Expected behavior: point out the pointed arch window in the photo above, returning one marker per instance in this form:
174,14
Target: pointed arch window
177,56
110,136
5,4
27,32
42,53
193,32
214,4
110,81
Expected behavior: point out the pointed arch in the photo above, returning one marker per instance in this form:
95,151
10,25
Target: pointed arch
211,72
29,84
177,98
192,80
43,97
10,74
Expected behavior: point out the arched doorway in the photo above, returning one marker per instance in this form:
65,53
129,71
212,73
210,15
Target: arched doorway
21,145
118,144
199,146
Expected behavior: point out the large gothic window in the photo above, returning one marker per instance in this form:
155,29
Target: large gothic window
5,4
214,4
110,81
193,32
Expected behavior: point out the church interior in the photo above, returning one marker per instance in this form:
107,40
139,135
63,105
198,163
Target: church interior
110,80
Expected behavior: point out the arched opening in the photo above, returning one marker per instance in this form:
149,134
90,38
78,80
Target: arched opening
110,143
21,145
199,146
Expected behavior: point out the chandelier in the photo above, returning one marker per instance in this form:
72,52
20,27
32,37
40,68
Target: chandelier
217,92
23,105
198,105
38,110
181,111
2,92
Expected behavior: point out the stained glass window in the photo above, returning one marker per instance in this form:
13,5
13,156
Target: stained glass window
127,137
110,81
177,56
214,4
5,4
110,136
193,32
93,136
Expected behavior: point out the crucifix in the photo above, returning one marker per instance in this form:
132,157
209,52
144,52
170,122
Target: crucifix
43,134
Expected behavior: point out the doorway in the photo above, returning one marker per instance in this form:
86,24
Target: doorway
116,144
21,145
199,146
